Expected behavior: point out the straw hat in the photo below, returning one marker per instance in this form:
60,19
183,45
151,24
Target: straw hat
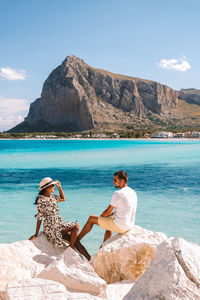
47,181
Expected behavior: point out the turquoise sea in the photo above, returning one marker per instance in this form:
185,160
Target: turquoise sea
164,173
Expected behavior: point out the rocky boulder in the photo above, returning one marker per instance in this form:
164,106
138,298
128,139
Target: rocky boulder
127,256
41,289
36,289
174,273
25,259
118,290
75,273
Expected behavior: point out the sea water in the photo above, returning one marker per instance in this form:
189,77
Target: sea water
164,173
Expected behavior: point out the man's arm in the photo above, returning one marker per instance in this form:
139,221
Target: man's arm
108,211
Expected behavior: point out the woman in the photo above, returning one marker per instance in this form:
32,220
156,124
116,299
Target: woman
53,227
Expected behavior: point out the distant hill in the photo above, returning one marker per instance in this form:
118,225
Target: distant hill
78,97
190,95
190,91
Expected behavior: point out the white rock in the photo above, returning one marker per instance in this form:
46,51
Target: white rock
188,255
82,296
36,289
174,273
75,273
25,259
42,289
117,290
126,256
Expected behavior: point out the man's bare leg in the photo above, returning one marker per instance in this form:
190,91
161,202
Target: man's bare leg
107,235
88,226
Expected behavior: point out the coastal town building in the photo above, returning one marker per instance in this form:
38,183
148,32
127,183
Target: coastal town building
195,135
162,135
179,135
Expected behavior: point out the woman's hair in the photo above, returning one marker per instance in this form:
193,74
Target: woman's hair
42,192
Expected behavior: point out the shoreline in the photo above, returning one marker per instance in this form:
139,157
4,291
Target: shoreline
101,139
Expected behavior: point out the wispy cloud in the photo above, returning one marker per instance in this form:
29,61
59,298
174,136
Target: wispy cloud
12,112
7,122
12,105
12,74
180,64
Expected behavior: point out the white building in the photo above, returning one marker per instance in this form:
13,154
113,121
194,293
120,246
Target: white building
195,135
162,135
179,135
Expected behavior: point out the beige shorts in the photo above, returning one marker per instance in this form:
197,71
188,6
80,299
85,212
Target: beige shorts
107,223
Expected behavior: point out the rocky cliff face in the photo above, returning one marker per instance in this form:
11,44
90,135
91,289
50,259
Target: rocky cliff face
77,97
190,95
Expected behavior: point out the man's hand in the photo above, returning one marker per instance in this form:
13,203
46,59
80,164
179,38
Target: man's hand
108,211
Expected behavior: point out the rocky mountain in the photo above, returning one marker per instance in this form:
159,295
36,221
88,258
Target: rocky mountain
190,95
78,97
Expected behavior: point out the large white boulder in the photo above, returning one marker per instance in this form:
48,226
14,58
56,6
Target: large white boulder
82,296
42,289
117,290
25,259
76,274
36,289
174,273
126,256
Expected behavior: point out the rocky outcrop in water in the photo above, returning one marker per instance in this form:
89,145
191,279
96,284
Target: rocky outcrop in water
77,97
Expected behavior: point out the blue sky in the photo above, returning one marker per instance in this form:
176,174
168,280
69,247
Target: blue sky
156,40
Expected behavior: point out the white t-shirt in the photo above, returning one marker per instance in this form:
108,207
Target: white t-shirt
125,203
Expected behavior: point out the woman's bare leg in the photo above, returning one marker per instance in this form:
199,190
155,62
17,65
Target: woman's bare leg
82,250
73,234
78,245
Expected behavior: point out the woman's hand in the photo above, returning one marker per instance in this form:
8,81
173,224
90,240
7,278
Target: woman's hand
32,237
58,184
62,196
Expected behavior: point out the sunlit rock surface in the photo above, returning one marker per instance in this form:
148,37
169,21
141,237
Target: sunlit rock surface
174,273
36,289
126,256
25,259
75,273
140,264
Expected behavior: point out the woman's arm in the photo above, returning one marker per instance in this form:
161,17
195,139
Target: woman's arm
62,195
37,230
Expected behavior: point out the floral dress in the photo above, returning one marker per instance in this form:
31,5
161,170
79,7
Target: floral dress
48,210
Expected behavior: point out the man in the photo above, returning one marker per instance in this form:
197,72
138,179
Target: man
122,219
